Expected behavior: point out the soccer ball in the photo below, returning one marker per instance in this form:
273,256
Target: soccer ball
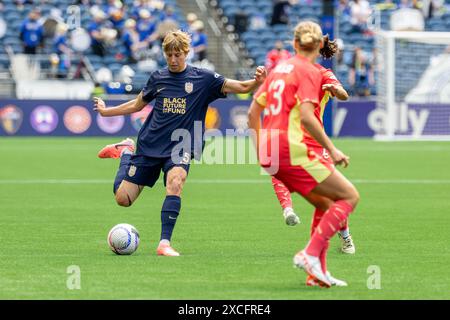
123,239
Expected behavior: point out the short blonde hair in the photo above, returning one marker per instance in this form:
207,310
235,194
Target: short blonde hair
177,41
308,34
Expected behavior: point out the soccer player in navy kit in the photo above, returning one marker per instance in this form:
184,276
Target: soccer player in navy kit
182,94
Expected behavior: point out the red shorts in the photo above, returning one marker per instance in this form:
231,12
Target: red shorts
304,178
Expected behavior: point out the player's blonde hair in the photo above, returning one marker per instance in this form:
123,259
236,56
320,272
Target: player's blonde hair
177,41
308,34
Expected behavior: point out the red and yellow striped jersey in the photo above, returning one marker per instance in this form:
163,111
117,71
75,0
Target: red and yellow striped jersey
291,83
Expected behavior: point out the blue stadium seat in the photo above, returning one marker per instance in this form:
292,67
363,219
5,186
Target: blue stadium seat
109,60
97,65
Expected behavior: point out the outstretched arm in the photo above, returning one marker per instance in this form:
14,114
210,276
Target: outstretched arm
254,122
125,108
236,86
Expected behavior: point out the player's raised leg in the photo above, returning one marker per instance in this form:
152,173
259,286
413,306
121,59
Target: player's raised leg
284,197
127,193
170,210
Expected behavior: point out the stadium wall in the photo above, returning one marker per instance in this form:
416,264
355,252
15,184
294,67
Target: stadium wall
76,118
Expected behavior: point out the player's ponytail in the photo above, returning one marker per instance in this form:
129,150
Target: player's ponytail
329,48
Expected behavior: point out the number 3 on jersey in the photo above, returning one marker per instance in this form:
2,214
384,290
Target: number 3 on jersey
276,88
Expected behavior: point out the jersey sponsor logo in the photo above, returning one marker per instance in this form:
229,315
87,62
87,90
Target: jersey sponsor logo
132,171
188,87
212,119
77,119
44,119
11,118
110,125
174,105
138,118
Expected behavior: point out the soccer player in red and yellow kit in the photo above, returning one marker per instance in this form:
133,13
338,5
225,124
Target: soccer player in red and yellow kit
290,146
331,87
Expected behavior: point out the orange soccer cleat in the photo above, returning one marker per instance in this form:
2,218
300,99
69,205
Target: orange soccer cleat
313,282
165,249
115,150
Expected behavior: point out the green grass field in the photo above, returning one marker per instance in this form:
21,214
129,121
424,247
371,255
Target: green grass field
57,206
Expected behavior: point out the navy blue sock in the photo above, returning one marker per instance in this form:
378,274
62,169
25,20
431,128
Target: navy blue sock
122,171
169,213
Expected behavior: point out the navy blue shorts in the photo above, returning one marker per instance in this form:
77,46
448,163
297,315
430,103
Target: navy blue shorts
145,171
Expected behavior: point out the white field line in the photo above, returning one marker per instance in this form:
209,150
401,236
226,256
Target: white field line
218,181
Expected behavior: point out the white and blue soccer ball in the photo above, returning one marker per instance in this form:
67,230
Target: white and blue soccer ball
123,239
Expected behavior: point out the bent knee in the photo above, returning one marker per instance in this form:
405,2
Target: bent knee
322,205
353,197
123,199
175,184
174,189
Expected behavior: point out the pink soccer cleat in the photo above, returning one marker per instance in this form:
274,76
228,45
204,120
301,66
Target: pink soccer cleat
166,250
311,265
115,150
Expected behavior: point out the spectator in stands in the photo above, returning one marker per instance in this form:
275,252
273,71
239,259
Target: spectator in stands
32,32
345,10
138,5
20,4
360,13
61,48
258,21
118,20
168,13
276,55
164,27
111,6
98,38
199,41
280,12
131,41
146,27
191,18
361,73
155,6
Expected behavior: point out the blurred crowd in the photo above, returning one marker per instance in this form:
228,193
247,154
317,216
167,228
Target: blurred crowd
138,30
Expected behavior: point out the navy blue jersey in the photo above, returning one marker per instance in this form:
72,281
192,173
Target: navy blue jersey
181,101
